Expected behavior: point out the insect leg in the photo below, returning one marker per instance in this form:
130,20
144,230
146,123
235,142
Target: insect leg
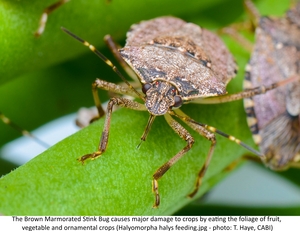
206,134
119,89
123,102
234,29
147,129
86,116
113,46
24,132
252,11
233,32
205,130
184,134
106,60
45,15
247,93
179,114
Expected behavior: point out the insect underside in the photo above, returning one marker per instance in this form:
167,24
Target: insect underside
176,63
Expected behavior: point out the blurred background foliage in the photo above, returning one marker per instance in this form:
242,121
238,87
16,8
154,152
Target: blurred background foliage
45,78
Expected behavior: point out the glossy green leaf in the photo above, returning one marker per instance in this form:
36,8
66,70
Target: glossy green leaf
21,52
43,91
119,182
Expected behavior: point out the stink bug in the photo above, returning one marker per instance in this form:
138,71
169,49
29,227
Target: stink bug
274,117
176,63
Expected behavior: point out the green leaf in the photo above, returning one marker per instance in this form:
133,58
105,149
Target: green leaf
44,91
93,19
119,182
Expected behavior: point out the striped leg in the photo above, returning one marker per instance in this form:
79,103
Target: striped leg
106,60
247,93
207,132
24,132
119,89
192,123
45,15
113,46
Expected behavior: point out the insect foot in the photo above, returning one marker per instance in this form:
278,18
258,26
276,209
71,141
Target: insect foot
198,182
155,191
89,156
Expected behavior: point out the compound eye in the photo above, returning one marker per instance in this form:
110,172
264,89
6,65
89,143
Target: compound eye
173,91
146,87
178,101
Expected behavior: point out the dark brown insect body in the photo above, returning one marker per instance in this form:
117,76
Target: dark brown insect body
176,63
274,117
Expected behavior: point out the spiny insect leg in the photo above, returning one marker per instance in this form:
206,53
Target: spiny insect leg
45,15
178,113
112,87
24,132
209,136
247,93
106,60
185,135
113,46
123,102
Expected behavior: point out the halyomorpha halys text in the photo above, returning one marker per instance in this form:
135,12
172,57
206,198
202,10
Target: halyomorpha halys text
175,63
275,116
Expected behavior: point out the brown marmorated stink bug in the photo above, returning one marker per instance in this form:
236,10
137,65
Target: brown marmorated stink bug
176,63
274,118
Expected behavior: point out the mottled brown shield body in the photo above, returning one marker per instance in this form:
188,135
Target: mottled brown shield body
175,62
274,117
182,56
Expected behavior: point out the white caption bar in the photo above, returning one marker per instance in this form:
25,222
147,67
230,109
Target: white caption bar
149,223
